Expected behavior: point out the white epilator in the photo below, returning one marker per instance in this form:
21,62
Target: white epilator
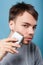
18,36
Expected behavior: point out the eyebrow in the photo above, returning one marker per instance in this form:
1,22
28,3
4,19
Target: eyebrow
29,23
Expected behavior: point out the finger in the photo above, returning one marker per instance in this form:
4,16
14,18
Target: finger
11,50
10,40
15,51
13,44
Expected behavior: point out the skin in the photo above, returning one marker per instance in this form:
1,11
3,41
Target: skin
24,24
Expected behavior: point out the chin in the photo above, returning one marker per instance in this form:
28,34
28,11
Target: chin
26,42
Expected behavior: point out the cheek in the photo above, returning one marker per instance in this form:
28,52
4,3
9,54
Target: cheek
21,30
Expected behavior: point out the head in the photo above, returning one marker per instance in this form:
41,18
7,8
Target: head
23,19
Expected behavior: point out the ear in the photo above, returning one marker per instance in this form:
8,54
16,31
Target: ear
11,25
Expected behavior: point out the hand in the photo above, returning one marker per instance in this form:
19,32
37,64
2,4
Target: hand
8,45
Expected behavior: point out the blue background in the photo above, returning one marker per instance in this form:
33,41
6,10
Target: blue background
4,14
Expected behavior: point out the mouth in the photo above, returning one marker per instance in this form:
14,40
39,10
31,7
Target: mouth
28,39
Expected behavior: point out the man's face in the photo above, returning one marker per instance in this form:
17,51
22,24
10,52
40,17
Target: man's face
25,24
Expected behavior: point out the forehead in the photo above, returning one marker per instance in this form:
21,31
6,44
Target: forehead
26,18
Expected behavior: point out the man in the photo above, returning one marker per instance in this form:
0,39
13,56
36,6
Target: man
22,19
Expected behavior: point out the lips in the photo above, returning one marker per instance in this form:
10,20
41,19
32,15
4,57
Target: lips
28,38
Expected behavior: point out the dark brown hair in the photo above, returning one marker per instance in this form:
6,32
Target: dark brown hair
20,8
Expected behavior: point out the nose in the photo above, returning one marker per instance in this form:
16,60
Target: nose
30,31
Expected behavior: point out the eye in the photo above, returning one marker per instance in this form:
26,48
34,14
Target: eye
34,27
26,26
